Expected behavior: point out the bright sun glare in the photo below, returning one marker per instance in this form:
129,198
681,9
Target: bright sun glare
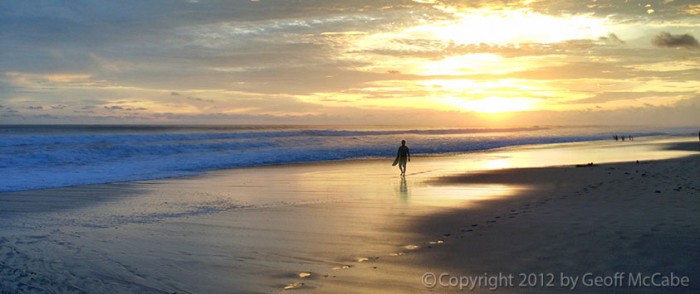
478,81
512,26
498,27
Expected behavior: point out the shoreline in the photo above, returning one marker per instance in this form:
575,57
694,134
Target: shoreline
153,168
351,226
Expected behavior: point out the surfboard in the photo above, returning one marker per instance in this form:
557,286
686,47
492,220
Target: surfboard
396,161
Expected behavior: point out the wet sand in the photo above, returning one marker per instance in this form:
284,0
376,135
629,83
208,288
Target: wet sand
357,227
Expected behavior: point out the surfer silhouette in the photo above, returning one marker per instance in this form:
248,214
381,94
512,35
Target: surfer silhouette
402,156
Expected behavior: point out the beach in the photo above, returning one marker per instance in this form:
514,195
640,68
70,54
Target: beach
394,146
356,226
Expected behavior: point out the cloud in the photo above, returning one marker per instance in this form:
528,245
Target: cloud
693,9
612,39
690,104
666,39
264,59
13,116
116,107
201,99
617,96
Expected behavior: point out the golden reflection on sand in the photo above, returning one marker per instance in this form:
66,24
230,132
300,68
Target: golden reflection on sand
461,195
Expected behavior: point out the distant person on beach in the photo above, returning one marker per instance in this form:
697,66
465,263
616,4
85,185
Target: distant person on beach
402,156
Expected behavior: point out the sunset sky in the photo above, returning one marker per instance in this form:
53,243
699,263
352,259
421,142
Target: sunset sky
446,63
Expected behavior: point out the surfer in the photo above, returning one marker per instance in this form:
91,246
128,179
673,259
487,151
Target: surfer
402,156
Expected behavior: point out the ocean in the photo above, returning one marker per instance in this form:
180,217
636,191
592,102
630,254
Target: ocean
50,156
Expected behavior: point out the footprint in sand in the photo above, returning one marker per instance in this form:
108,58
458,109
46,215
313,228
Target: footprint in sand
293,286
397,254
361,259
411,247
304,275
342,267
364,259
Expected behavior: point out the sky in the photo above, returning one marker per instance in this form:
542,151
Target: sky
421,62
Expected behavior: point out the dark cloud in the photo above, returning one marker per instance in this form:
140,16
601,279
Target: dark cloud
666,39
201,99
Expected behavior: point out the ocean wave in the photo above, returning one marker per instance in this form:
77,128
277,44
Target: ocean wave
40,159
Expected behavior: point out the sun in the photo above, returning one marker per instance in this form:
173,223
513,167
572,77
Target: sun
492,105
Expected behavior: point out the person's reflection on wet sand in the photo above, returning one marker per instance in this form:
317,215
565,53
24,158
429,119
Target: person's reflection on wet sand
403,190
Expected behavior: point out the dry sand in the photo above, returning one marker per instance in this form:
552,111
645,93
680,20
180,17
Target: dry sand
356,227
618,218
